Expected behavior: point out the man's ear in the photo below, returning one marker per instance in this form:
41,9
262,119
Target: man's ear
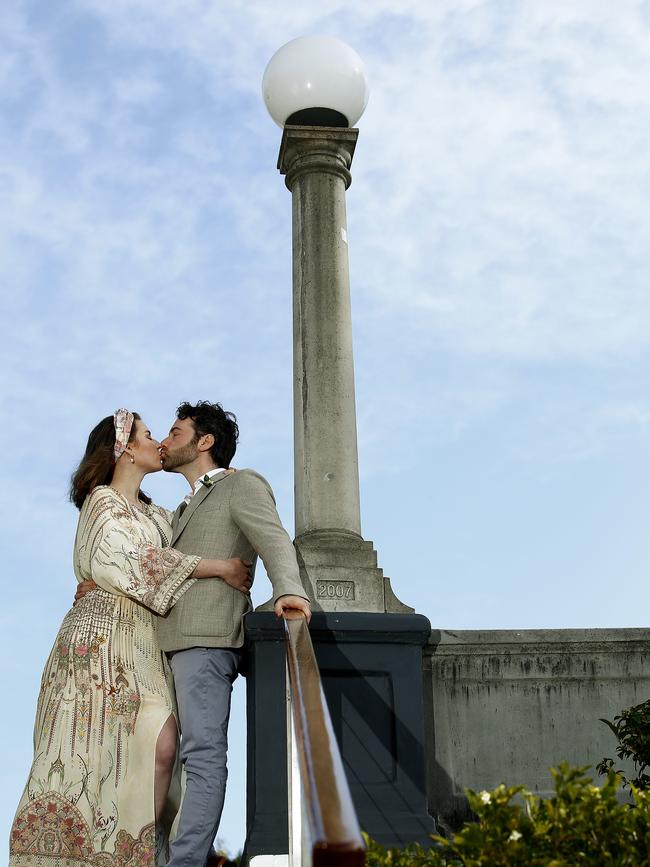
206,442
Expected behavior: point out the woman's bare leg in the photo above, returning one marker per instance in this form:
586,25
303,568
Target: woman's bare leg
165,758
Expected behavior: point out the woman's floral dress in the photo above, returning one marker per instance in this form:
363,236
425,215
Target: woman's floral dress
105,695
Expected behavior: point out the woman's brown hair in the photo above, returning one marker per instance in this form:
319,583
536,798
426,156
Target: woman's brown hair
98,463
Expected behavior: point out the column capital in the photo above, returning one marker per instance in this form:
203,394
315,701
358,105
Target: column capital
306,149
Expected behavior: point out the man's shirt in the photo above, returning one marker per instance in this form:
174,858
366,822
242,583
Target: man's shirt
198,484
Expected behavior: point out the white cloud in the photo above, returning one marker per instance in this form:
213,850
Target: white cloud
497,209
502,154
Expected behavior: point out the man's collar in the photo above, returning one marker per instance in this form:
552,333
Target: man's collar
201,481
207,475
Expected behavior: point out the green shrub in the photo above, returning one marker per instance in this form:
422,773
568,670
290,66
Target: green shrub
632,730
580,825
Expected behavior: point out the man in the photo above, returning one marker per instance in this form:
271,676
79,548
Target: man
225,515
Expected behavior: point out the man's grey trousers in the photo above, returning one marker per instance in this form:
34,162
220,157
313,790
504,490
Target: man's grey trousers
203,679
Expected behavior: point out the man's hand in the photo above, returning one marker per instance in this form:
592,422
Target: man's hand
237,573
83,588
293,603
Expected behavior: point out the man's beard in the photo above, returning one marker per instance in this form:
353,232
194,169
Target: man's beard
179,457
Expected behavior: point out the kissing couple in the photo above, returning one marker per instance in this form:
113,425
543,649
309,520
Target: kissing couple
150,649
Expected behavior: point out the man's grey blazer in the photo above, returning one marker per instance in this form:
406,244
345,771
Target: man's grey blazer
233,517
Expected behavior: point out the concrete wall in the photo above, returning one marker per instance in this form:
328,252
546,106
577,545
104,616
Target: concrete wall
504,706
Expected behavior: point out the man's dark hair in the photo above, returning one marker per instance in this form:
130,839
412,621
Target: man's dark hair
211,418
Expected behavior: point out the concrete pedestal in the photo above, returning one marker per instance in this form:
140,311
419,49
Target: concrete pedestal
371,667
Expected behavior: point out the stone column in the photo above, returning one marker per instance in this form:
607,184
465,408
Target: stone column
338,567
316,163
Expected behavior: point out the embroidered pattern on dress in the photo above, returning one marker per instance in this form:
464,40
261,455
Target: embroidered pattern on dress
130,851
51,827
51,830
98,697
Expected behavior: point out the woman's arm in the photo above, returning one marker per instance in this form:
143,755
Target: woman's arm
235,572
119,561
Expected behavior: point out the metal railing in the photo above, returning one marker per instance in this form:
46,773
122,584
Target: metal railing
323,826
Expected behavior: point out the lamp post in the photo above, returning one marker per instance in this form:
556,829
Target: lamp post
316,88
367,643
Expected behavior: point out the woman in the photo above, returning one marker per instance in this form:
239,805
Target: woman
98,794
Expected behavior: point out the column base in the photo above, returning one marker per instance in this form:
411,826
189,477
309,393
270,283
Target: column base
340,573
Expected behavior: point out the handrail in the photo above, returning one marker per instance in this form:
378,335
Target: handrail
333,827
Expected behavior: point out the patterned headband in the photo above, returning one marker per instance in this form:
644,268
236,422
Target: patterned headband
123,420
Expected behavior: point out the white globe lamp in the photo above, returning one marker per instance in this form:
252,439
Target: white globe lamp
315,81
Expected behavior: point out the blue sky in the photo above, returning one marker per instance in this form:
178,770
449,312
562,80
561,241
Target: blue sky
499,260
